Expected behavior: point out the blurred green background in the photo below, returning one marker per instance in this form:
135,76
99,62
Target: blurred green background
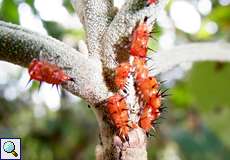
195,124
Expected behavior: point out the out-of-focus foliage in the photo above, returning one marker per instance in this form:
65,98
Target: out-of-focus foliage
204,90
68,5
221,15
196,125
9,12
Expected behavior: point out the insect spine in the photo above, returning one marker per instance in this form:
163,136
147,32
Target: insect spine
42,71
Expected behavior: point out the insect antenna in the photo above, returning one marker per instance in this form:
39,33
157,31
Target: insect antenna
152,68
57,87
156,123
154,31
28,82
154,38
163,109
148,58
163,94
151,49
162,82
148,134
40,84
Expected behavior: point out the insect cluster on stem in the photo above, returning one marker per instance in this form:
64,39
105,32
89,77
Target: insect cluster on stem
147,88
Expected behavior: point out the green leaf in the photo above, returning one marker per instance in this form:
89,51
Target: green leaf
30,2
181,96
221,15
68,6
209,84
54,29
9,11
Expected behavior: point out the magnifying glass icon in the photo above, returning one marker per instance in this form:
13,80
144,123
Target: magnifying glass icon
9,147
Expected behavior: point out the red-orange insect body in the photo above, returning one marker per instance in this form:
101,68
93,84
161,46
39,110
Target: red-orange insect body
139,40
155,101
146,119
147,88
118,111
149,2
34,70
141,71
150,112
50,73
121,74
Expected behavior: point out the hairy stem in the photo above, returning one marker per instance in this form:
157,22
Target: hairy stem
95,15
